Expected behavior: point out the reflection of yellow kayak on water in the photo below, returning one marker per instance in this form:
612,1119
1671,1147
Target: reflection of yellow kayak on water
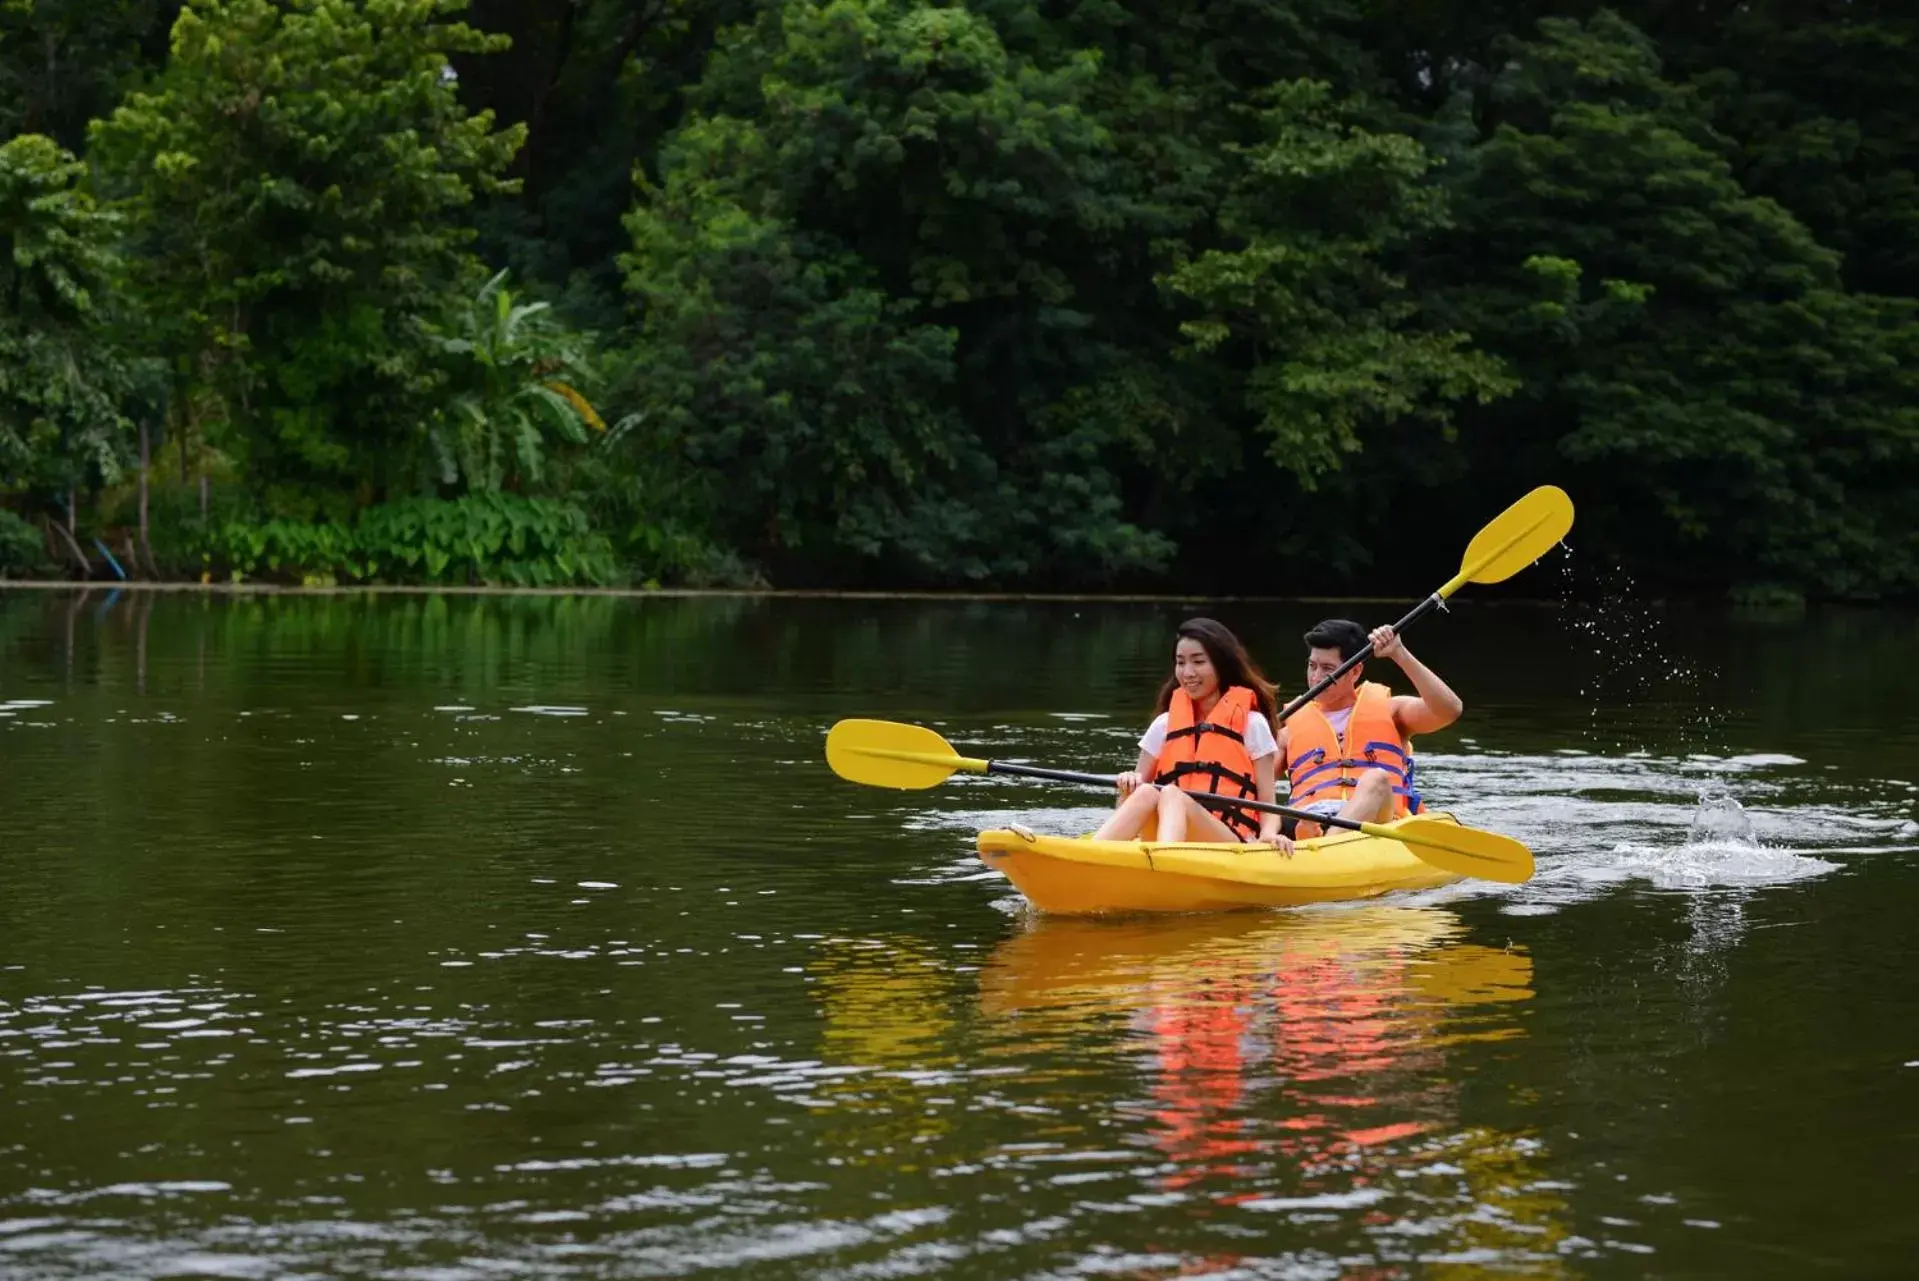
1252,1057
1320,1043
887,1006
1059,965
1077,876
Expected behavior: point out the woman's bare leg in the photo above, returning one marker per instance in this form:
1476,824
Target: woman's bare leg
1125,822
1181,818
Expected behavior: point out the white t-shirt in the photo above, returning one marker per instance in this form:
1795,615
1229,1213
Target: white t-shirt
1259,736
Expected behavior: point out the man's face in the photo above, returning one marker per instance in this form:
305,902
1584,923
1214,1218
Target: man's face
1321,663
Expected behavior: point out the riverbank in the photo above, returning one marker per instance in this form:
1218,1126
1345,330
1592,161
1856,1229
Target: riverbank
679,593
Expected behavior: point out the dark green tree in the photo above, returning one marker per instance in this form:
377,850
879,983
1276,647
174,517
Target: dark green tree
598,84
1690,353
849,256
62,376
1330,338
297,182
64,63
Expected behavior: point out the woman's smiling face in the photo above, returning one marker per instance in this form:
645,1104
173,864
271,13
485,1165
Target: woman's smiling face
1193,669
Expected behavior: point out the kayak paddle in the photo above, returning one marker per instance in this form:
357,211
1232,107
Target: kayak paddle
912,757
1513,540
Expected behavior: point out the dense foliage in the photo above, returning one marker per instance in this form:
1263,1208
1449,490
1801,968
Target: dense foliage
1260,296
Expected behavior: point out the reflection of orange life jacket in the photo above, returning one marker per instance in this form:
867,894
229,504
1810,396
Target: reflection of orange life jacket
1202,1077
1321,766
1210,756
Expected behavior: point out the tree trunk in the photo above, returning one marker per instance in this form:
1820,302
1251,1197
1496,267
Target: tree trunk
146,466
79,557
143,564
536,118
177,404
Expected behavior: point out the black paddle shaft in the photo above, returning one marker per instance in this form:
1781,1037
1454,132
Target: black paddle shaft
1425,607
1204,798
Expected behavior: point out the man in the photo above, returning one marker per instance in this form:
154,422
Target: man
1349,752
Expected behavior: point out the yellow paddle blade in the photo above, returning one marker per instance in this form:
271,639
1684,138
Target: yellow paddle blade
1515,539
889,754
1465,850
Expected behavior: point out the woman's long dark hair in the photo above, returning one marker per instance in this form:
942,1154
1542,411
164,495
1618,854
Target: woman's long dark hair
1230,659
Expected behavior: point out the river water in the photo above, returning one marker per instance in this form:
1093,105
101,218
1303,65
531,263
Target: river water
474,937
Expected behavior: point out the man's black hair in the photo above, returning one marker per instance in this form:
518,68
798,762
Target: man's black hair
1341,634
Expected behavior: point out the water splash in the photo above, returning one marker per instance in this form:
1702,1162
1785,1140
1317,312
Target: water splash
1618,637
1720,818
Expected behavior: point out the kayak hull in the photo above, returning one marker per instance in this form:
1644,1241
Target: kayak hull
1068,876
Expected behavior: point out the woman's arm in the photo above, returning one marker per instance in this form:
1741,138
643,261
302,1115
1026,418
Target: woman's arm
1142,770
1263,775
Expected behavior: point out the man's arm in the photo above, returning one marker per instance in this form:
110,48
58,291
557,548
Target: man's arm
1435,706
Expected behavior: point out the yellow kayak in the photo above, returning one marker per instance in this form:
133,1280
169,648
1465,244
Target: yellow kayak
1078,876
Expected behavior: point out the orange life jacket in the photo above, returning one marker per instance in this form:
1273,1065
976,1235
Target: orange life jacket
1321,766
1210,755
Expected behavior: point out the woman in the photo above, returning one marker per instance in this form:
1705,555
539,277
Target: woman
1213,733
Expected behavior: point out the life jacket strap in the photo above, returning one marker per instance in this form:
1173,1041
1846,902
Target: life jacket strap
1414,800
1218,773
1239,821
1207,727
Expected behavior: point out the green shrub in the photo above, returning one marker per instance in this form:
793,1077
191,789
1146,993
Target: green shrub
485,538
493,538
312,554
23,549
